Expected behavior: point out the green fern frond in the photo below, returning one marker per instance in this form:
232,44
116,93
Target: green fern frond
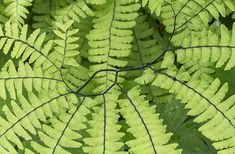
75,11
150,135
106,139
25,115
63,132
207,47
31,46
154,6
48,12
65,46
16,81
73,76
191,15
204,98
65,50
111,38
16,10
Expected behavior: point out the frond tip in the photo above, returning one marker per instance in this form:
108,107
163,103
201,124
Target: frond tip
16,10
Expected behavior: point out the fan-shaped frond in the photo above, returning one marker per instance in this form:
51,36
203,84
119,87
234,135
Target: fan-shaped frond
98,75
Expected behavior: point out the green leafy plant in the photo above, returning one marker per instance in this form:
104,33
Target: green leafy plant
117,76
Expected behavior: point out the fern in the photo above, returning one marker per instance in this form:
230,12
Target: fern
117,76
208,42
17,11
194,17
153,138
205,101
111,38
107,139
74,11
154,6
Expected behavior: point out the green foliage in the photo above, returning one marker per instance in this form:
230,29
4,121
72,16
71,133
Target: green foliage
117,76
16,10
